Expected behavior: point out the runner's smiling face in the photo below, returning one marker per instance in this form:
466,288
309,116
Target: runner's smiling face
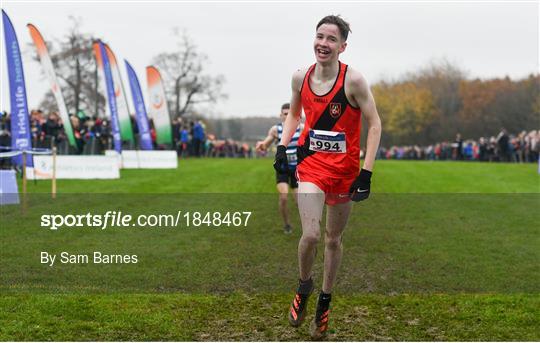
328,43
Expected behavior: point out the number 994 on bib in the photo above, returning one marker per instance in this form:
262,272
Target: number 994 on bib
327,141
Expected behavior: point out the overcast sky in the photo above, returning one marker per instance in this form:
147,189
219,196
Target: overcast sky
257,46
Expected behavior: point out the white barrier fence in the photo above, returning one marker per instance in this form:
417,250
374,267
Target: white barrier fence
75,167
145,159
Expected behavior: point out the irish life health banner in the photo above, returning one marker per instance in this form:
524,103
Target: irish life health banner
145,139
158,109
48,68
111,98
121,101
20,123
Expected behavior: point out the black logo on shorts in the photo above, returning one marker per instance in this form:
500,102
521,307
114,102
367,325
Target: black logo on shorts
335,109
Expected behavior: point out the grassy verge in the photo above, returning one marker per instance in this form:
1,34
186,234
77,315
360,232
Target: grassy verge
238,316
457,267
257,176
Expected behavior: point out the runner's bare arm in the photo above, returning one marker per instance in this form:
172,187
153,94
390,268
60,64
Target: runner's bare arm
295,112
362,96
270,138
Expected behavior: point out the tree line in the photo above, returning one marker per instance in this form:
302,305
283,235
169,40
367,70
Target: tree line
434,103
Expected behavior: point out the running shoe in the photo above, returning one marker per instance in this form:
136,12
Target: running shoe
287,229
319,325
297,312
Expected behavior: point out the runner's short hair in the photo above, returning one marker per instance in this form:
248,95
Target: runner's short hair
343,26
285,106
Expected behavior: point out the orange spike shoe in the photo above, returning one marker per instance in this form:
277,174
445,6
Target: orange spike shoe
297,312
319,325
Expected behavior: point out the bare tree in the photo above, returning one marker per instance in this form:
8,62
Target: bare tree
76,71
184,79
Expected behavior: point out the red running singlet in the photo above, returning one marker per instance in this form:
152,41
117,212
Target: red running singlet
330,142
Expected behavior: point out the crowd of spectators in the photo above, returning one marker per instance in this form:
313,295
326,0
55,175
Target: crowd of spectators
190,139
93,136
519,148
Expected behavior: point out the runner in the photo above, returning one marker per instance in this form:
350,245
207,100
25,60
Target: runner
286,178
333,97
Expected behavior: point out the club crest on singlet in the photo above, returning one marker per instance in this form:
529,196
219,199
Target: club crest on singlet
335,109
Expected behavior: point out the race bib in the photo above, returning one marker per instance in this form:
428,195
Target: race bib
327,141
291,158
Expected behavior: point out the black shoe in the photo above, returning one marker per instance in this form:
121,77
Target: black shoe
319,325
297,312
287,229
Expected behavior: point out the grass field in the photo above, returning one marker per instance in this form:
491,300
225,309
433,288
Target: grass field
257,176
440,251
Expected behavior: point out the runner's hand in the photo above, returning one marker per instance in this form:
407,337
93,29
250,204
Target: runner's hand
281,164
360,188
260,146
